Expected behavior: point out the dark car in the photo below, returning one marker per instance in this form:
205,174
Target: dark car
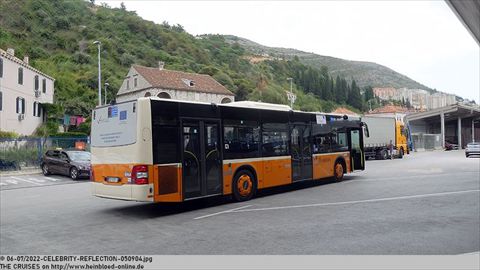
450,146
473,148
73,163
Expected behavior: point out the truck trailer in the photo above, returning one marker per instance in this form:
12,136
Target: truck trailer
385,134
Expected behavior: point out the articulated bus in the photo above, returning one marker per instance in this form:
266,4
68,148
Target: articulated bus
161,150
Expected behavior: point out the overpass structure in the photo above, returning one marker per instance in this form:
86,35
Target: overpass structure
458,124
468,12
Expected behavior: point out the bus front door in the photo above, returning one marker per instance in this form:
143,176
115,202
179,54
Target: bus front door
301,153
201,160
357,159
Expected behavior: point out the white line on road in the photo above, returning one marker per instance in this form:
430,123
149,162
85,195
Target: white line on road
223,212
360,201
37,180
471,253
28,181
406,177
51,178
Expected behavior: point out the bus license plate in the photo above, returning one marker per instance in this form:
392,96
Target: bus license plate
112,179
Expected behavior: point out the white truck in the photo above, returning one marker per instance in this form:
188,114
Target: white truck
384,131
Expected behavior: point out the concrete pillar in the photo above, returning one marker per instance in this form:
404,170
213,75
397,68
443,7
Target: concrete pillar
459,133
442,128
473,130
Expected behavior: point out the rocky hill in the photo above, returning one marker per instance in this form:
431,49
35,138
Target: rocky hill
365,73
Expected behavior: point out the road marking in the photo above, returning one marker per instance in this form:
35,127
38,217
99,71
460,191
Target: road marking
359,201
223,212
13,182
51,178
28,181
470,253
406,177
36,180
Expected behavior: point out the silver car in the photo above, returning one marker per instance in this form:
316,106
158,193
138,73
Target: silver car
473,148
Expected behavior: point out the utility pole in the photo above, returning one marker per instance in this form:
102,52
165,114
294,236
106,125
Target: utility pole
98,43
105,98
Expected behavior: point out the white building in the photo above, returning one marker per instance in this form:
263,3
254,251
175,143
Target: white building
146,81
419,99
23,90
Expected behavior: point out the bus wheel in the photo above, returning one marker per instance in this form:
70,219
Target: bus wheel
244,186
338,171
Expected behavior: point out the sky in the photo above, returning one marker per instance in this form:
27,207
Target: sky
423,40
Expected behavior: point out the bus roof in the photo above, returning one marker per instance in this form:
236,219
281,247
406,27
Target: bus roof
244,104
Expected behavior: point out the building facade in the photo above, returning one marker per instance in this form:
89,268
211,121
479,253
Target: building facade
147,81
420,100
23,90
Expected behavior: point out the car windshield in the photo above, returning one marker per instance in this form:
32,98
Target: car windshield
79,156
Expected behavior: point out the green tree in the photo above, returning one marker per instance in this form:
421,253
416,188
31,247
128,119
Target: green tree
355,98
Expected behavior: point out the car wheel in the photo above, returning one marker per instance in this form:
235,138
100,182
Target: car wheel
244,186
338,171
45,170
74,173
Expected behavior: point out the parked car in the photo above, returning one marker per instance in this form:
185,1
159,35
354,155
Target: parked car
472,148
73,163
450,146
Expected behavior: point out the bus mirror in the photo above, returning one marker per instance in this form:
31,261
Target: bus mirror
365,129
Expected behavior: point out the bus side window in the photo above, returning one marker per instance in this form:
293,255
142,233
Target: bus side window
339,141
165,144
275,140
241,141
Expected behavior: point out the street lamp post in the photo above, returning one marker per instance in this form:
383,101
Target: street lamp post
105,98
98,43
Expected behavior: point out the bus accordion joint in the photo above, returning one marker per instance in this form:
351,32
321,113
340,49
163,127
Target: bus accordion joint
140,174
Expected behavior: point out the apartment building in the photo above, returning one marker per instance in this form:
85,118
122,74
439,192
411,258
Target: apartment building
23,90
420,99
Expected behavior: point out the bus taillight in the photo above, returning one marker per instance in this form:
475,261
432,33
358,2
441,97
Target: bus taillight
140,174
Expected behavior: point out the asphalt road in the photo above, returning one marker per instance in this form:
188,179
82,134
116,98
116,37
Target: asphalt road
427,203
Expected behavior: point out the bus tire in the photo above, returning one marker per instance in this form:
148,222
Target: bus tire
244,185
338,171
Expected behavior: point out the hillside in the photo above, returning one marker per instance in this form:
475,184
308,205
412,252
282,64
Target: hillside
58,37
365,73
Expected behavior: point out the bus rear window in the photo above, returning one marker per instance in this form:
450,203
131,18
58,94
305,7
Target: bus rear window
114,125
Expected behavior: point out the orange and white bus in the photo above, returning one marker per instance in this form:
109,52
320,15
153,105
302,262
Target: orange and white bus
161,150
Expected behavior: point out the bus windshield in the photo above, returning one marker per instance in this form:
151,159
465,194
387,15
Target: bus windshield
114,125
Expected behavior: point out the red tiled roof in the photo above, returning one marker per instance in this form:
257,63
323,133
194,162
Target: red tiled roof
178,80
